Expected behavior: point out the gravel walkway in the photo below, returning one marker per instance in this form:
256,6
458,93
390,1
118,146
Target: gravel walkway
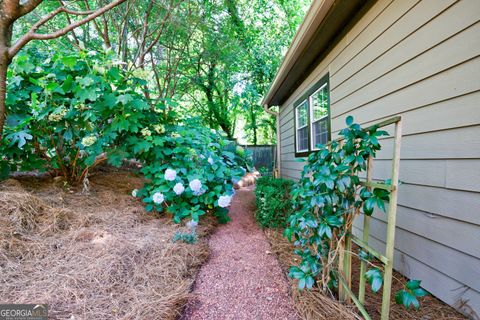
242,279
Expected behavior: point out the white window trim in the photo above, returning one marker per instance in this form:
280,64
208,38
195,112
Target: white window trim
297,126
312,120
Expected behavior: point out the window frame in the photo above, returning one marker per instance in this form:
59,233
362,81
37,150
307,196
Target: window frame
312,118
307,125
307,96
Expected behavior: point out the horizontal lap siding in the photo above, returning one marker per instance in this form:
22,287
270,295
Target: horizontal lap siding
420,60
459,266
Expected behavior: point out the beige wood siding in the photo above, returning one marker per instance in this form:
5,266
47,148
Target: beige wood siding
421,60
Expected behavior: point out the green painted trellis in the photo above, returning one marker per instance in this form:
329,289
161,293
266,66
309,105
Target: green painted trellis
345,259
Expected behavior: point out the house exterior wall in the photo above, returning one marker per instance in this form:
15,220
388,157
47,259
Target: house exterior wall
421,60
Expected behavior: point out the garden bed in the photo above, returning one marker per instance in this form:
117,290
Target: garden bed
312,304
95,256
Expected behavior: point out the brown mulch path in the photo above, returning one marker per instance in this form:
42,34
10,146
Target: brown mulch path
242,279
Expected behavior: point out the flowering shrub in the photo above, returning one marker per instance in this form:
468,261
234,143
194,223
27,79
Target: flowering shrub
190,171
66,114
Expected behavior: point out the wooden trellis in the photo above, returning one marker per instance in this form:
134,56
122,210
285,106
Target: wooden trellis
345,259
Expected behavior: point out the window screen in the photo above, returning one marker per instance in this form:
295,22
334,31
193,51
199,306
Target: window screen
319,116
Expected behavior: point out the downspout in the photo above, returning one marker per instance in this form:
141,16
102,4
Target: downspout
277,118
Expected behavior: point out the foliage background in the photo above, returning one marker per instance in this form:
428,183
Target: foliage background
273,201
214,58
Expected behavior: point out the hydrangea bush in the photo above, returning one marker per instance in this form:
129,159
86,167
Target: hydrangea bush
67,114
190,170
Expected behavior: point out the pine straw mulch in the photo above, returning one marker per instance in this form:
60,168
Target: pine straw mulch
312,304
96,256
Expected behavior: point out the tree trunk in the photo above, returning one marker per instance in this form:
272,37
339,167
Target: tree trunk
3,87
253,122
5,38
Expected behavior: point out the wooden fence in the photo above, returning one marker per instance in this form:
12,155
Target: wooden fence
263,156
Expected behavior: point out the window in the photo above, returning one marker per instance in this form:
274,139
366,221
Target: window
302,126
312,119
319,117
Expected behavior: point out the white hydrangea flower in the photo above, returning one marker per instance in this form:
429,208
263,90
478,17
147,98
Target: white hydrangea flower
81,107
158,198
200,192
55,117
178,188
89,140
146,132
192,224
170,174
134,193
195,185
224,201
210,160
202,156
159,128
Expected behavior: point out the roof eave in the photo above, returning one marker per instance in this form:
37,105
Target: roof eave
315,15
325,24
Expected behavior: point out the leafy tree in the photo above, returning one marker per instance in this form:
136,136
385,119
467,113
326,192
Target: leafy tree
215,58
10,12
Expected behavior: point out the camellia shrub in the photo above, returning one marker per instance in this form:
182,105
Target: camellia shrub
326,199
273,201
189,170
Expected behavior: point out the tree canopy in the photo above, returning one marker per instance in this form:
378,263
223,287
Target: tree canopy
213,59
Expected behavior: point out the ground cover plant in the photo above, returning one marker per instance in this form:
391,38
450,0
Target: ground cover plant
273,202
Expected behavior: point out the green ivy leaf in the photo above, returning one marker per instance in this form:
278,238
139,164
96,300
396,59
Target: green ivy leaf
375,278
124,99
20,138
349,120
296,273
413,284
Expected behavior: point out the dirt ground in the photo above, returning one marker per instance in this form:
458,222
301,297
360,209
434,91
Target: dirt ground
93,256
242,280
314,305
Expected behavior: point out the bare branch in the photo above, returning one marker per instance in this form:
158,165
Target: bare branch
77,42
32,35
